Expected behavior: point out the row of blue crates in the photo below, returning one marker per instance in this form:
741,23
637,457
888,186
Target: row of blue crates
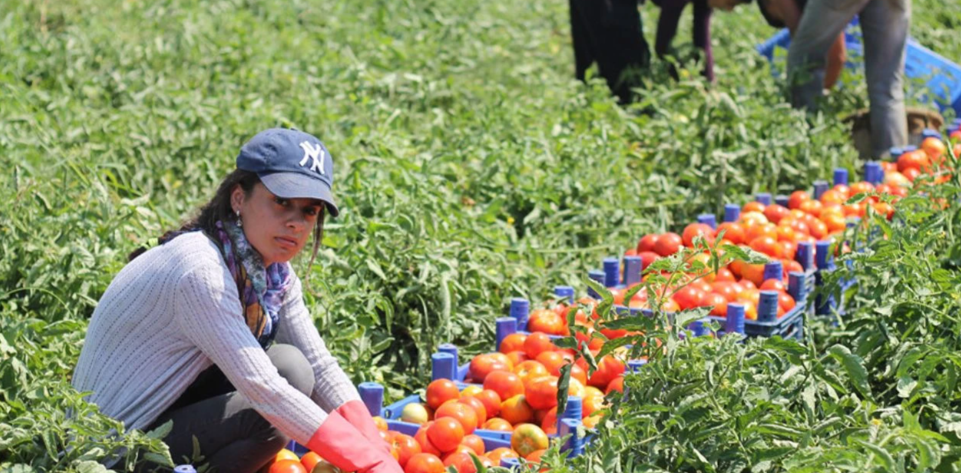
817,261
768,324
372,394
445,365
941,77
926,133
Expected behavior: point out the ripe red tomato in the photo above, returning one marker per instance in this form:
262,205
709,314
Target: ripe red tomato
775,213
504,383
426,445
549,422
785,301
516,410
542,393
911,173
445,433
687,297
474,442
918,160
579,374
498,424
718,302
482,365
498,454
697,229
616,384
724,275
424,463
647,243
648,257
547,321
552,361
287,466
811,207
491,401
773,285
725,289
461,412
788,249
441,391
791,266
701,285
513,342
833,197
797,198
538,343
669,306
517,357
753,273
885,209
668,244
461,462
607,369
733,232
530,370
310,459
862,187
819,230
406,447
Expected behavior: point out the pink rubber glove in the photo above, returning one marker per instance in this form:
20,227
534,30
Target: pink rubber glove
342,444
359,416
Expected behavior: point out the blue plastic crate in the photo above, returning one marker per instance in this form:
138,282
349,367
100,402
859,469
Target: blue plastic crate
493,439
942,77
825,304
373,394
519,312
612,277
790,325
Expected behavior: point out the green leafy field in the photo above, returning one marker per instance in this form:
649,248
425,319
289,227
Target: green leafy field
470,166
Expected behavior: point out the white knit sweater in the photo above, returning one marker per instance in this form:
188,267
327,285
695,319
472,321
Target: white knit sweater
171,313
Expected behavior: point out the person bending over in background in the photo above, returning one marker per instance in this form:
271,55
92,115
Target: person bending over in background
609,32
210,330
667,28
787,13
884,24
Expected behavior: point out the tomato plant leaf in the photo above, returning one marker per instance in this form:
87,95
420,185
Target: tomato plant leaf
854,367
879,454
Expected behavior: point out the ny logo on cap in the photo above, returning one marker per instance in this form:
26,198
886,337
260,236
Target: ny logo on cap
315,153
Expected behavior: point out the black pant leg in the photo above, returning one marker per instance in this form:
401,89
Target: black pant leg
232,436
617,41
580,37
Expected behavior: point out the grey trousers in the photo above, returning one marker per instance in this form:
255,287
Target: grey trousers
232,436
884,24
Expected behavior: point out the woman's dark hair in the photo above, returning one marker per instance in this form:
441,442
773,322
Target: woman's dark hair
220,209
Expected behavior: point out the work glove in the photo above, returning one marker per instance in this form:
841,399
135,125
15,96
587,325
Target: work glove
340,443
358,415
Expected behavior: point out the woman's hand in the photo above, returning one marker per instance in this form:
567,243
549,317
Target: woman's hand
340,443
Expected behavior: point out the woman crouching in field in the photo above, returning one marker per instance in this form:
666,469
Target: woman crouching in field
209,329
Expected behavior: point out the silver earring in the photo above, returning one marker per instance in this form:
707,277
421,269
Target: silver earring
240,223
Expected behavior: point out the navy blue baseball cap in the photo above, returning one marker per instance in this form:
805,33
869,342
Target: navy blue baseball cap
291,164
